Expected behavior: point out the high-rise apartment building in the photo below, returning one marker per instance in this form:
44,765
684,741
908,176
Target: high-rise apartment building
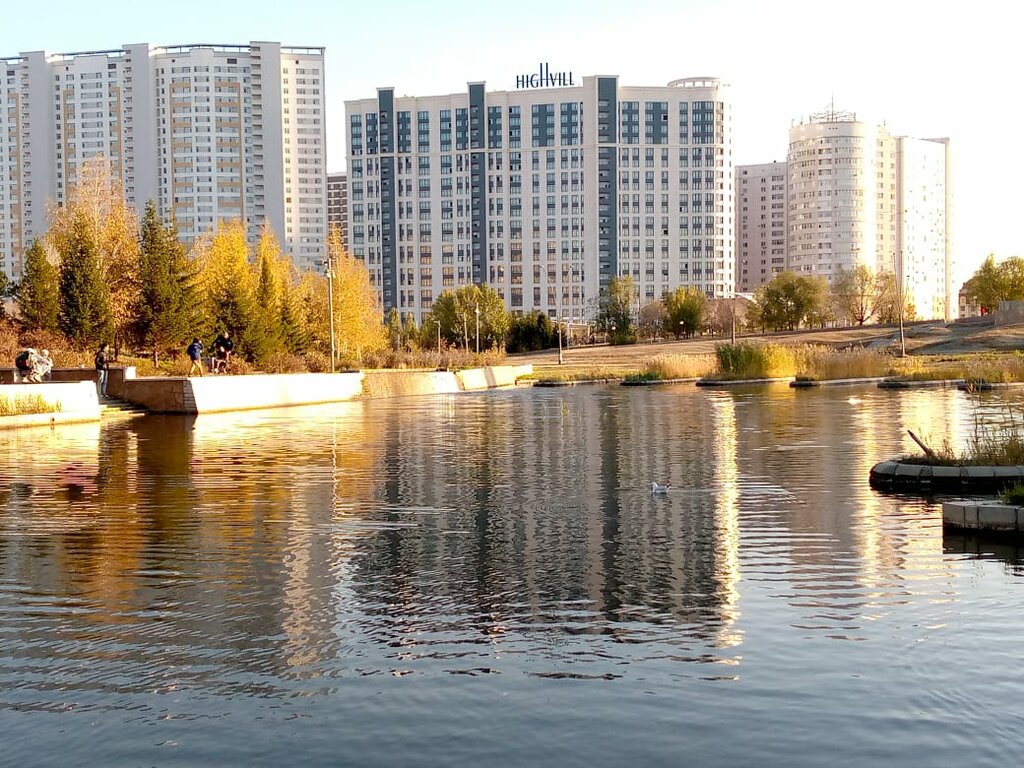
544,193
760,224
859,195
210,132
337,204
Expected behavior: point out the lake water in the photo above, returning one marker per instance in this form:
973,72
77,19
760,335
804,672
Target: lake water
487,580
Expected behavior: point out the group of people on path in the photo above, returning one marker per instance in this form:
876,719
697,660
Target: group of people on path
223,348
31,367
34,367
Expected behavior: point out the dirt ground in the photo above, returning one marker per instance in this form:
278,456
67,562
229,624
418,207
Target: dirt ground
932,338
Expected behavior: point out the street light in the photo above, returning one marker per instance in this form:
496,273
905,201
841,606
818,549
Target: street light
900,305
559,321
330,302
438,324
732,317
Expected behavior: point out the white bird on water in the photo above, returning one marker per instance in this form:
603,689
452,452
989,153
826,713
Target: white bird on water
657,490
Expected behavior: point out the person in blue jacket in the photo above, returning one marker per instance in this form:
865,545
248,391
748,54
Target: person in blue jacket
195,354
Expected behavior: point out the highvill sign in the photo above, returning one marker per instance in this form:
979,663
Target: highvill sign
544,78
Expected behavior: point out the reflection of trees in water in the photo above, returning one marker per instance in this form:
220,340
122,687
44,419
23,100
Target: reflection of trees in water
210,527
543,515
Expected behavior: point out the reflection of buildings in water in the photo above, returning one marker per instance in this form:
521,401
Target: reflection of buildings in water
724,444
820,445
553,492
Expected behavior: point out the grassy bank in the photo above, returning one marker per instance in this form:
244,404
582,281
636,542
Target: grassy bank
20,405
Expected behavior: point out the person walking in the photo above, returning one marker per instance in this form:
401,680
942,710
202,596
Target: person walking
195,354
102,369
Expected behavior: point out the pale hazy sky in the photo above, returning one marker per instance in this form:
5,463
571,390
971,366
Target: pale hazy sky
927,69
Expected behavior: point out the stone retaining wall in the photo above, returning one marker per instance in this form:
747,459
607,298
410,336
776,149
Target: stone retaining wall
213,394
493,376
381,384
77,400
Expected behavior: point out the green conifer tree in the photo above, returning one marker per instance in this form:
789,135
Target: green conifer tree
84,310
167,311
37,291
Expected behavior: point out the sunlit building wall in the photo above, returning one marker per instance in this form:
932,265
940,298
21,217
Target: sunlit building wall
545,194
337,205
857,195
760,224
209,132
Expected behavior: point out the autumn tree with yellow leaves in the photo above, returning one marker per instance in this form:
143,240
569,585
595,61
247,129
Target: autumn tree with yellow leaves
358,316
97,212
226,283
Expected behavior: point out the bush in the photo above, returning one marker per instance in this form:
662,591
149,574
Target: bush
282,362
9,344
1014,494
317,362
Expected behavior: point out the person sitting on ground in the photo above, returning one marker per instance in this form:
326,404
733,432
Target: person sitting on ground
223,346
41,367
195,354
24,364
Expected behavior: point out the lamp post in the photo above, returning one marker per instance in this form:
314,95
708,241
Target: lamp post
899,306
438,324
559,321
732,318
330,303
476,310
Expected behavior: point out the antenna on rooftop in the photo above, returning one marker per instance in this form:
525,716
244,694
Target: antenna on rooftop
832,115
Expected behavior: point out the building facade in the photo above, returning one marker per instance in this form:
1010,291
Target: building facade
857,195
761,231
337,205
209,132
545,193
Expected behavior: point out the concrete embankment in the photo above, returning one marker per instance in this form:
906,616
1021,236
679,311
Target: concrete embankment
217,394
381,384
70,402
983,516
